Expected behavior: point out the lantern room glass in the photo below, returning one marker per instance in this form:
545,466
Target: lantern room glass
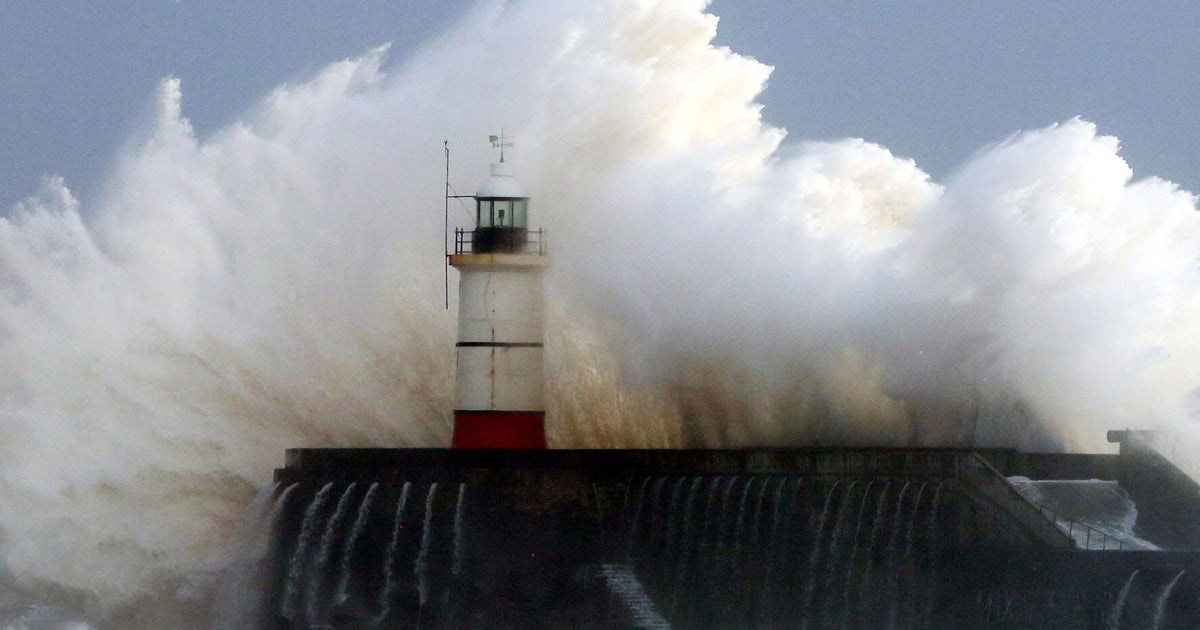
502,213
484,213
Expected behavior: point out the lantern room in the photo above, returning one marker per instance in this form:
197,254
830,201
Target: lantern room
501,213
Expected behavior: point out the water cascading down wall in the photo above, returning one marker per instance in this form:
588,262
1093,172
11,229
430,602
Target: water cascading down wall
880,538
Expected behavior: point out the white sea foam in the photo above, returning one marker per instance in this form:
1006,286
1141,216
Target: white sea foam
278,284
1103,507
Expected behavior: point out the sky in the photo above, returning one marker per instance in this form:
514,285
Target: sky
933,81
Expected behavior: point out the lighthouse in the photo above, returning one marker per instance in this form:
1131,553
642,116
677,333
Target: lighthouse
498,397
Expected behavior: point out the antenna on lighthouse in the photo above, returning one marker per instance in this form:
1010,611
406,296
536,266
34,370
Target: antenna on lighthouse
449,194
446,227
501,141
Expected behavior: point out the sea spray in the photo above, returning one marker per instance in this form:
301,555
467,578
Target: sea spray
933,546
624,584
626,519
903,596
632,535
656,510
718,570
756,523
709,518
1160,602
281,502
910,529
421,564
852,564
685,545
845,507
723,522
893,561
229,294
1114,615
298,564
240,593
772,548
460,531
332,534
674,518
877,524
814,559
391,560
895,528
834,554
796,523
739,530
360,525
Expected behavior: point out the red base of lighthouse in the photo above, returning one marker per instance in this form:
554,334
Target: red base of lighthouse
499,429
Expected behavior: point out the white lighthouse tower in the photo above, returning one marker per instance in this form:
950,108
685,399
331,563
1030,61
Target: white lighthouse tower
498,381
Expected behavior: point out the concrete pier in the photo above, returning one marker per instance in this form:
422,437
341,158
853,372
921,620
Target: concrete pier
710,538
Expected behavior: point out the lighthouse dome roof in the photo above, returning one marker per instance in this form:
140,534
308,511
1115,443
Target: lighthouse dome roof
501,184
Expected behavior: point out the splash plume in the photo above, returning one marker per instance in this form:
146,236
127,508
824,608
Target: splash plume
278,284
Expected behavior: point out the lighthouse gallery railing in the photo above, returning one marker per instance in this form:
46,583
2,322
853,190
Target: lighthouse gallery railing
500,241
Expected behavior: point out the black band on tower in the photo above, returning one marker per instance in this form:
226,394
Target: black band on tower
498,344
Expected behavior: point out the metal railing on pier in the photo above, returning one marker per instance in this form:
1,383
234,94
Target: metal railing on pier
1091,538
984,477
